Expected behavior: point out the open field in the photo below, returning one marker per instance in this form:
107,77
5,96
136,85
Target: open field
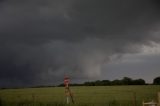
84,96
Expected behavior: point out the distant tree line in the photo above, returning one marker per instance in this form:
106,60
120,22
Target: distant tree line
156,81
123,81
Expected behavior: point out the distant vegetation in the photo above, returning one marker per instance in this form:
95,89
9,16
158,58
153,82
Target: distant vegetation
156,81
124,81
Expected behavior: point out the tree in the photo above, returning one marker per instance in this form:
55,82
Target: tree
138,82
156,81
106,82
127,81
117,82
97,83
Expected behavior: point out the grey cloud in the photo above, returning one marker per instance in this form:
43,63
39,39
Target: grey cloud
41,41
140,66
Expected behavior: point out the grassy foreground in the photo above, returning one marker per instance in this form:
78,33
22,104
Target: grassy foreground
84,96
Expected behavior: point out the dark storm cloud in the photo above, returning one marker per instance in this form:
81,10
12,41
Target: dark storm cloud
41,41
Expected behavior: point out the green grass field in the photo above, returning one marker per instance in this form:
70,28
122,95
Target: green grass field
83,96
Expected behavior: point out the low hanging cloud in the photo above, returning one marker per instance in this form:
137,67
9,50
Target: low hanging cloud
41,41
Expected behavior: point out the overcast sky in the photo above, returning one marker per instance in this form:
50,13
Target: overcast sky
43,40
